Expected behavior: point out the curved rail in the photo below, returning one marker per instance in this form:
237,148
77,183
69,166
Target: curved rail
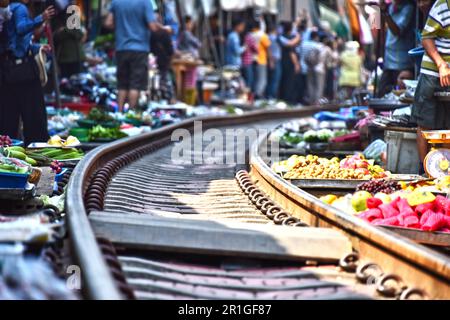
417,264
98,283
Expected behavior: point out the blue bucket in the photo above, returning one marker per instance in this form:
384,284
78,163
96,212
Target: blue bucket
13,180
417,55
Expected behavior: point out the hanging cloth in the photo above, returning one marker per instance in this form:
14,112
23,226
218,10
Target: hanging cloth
353,17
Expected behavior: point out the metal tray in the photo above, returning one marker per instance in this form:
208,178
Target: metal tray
439,239
327,184
344,184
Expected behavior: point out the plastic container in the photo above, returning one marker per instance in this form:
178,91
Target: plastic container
402,152
13,180
81,134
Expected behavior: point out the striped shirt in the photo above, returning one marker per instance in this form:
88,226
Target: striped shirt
249,55
438,28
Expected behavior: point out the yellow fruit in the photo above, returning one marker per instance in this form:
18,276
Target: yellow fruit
417,198
329,199
55,141
72,141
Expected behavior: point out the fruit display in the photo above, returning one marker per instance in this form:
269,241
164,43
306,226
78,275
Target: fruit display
101,133
313,167
380,186
5,141
422,211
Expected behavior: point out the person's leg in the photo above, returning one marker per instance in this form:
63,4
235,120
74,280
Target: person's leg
387,82
133,98
138,77
123,78
10,112
320,78
33,113
424,111
261,80
310,87
277,79
122,99
270,90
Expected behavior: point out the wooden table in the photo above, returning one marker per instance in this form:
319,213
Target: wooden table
179,67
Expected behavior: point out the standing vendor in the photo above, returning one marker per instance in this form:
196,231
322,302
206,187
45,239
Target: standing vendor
400,38
23,96
5,14
434,75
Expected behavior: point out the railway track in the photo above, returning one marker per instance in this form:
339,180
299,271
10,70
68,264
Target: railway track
153,227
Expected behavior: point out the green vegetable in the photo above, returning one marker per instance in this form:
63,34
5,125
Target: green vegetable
99,132
57,201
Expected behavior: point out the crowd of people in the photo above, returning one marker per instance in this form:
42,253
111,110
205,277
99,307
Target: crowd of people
292,62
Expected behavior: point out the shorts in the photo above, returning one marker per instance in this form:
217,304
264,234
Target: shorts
132,70
427,111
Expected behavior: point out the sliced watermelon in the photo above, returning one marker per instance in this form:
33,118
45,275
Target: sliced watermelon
392,222
388,211
411,222
422,208
374,203
435,222
425,216
405,208
371,215
440,203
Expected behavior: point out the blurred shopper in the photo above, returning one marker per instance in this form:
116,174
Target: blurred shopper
400,38
434,75
313,61
162,47
248,60
234,49
290,64
23,96
351,64
190,44
170,20
69,49
133,22
274,64
262,57
331,58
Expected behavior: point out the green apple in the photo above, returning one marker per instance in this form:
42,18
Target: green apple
359,200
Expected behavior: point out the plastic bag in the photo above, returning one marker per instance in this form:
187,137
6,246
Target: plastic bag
375,150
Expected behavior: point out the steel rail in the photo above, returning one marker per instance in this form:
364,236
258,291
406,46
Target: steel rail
98,282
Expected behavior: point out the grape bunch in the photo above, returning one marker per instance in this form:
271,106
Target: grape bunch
56,167
5,141
380,186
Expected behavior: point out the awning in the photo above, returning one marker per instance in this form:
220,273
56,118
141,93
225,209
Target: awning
239,5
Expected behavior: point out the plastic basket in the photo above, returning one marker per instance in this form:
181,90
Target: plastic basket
13,180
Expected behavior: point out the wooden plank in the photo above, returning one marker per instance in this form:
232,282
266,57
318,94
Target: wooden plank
221,238
47,182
